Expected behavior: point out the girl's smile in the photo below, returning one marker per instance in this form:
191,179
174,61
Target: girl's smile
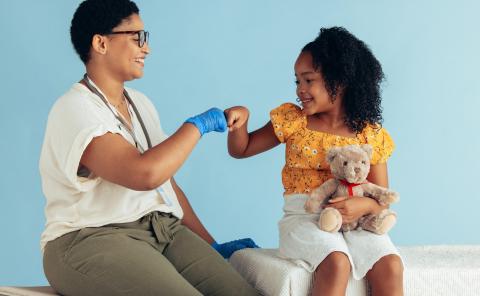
311,91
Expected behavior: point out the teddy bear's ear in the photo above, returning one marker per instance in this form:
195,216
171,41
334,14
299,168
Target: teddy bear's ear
332,152
367,148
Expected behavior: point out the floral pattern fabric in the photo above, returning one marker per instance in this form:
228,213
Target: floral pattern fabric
305,165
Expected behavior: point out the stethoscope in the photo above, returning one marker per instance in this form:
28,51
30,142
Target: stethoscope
86,80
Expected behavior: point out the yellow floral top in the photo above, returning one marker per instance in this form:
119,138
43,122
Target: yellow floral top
305,165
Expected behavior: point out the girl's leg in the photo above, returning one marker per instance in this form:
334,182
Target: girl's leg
331,276
386,276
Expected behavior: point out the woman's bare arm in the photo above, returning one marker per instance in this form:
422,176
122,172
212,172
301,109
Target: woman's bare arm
190,219
113,158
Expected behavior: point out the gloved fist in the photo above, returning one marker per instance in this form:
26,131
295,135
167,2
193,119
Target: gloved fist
227,249
210,120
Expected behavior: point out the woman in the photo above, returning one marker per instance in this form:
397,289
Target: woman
117,222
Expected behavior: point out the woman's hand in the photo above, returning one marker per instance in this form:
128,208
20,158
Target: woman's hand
353,207
211,120
236,117
227,249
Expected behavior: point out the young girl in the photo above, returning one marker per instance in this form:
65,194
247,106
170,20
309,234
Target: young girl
338,87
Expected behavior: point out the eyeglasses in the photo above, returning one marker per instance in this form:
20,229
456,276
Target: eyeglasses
141,35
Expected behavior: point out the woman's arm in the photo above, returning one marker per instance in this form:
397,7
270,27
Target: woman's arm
190,219
242,144
113,158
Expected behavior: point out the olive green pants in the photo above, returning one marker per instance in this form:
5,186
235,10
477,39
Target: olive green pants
154,255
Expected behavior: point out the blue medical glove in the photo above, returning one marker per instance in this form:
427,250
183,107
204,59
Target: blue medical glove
210,120
227,249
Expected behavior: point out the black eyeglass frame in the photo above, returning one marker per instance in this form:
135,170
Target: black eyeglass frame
141,34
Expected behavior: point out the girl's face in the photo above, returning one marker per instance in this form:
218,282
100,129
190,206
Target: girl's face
311,90
125,58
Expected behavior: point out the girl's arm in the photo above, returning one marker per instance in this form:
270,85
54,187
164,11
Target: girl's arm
378,175
242,144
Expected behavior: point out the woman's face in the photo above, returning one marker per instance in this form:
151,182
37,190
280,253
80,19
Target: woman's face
124,57
311,90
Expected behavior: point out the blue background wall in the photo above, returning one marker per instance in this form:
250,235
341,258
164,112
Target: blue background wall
224,53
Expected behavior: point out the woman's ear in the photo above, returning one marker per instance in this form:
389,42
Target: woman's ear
99,44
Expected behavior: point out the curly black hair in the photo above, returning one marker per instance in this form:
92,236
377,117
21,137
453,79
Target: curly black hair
347,64
97,17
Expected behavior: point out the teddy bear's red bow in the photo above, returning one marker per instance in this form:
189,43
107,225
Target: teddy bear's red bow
350,186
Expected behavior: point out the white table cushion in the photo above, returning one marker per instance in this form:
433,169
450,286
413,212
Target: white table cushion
27,291
274,276
442,270
429,270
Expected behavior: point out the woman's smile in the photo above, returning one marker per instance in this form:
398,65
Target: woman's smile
140,61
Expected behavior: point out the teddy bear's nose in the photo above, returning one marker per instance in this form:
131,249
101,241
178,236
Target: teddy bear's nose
357,170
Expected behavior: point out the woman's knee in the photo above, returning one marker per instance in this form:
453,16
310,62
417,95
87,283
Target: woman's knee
336,262
390,266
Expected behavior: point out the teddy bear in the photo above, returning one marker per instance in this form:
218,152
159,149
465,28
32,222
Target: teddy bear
350,166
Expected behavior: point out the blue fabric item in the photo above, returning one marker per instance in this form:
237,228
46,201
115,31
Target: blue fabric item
228,248
210,120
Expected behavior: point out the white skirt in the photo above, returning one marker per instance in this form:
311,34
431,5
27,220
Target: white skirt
302,242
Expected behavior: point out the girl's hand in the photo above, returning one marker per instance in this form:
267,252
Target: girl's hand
236,117
352,207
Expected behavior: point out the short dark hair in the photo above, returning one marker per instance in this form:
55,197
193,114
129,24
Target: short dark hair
97,17
347,63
